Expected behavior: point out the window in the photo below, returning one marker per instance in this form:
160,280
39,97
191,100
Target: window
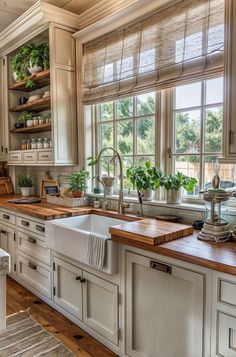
128,125
197,134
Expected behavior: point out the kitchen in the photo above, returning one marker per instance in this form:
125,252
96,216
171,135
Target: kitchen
117,137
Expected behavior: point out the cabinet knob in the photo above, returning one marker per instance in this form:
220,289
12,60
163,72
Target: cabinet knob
83,280
32,266
6,216
3,231
40,228
24,223
32,240
78,278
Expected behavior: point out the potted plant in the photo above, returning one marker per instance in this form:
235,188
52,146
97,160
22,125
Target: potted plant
173,184
78,183
25,183
145,178
26,118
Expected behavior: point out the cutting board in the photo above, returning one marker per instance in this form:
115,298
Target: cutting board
150,231
6,186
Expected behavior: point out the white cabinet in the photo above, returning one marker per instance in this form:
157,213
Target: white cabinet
100,306
87,297
229,132
226,335
67,287
8,243
164,309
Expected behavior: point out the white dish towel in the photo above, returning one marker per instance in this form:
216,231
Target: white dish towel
96,250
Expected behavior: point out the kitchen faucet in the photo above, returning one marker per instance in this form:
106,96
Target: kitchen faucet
121,203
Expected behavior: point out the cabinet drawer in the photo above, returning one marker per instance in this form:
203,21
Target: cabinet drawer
227,292
31,245
45,156
7,217
14,157
31,226
226,332
29,157
34,275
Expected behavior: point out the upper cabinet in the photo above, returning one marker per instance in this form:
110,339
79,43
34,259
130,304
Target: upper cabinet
47,98
229,132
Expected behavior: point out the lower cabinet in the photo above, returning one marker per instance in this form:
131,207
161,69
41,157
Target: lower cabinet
226,334
8,243
87,297
164,309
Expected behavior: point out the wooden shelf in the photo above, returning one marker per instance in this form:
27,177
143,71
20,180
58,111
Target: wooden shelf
36,106
33,129
41,79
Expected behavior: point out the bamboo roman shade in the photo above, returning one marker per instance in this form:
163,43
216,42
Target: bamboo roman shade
178,43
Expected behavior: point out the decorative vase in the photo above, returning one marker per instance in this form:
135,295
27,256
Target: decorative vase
173,196
78,194
25,191
147,194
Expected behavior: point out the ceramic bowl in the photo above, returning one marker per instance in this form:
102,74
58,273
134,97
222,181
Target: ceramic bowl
19,125
34,97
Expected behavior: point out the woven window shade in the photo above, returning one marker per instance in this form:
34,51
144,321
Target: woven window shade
182,42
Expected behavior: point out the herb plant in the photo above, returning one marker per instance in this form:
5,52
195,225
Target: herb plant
78,181
178,180
144,177
25,116
24,181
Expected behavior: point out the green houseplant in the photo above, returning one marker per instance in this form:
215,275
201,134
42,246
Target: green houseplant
145,178
28,60
173,184
25,116
25,183
78,183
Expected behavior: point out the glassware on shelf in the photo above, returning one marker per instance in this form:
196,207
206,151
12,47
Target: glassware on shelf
40,143
50,143
35,120
33,143
23,144
41,120
45,143
28,145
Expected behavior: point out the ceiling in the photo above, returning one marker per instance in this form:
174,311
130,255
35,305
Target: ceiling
10,10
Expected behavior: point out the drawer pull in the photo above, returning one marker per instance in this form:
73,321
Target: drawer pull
3,232
29,157
82,280
15,157
78,278
161,267
46,156
6,216
32,240
32,266
24,223
40,228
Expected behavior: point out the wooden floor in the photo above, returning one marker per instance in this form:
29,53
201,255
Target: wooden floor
82,344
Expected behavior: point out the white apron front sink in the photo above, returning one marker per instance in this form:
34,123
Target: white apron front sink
69,236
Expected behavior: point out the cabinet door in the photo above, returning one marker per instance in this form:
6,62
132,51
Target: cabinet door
67,287
11,241
226,332
3,238
100,306
164,309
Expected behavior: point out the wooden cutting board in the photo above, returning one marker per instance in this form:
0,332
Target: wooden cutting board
150,232
6,186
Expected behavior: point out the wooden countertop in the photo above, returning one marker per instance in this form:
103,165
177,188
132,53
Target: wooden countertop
220,257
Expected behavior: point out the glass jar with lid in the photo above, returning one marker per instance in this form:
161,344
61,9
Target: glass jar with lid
40,143
23,144
33,143
45,143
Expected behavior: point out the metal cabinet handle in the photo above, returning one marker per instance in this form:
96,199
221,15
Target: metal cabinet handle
46,156
78,278
32,240
83,280
24,223
32,266
161,267
29,156
15,157
3,231
40,228
6,216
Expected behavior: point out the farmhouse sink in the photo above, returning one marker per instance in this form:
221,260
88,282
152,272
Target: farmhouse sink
69,236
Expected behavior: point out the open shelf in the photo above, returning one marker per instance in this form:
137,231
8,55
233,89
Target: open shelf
33,129
41,79
36,105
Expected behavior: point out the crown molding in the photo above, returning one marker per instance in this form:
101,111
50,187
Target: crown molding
122,16
39,15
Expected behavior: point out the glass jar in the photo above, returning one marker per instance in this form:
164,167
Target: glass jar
23,144
35,120
50,143
28,145
45,143
40,143
33,143
41,120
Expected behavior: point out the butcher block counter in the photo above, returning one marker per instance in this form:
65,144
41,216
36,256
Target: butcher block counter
143,234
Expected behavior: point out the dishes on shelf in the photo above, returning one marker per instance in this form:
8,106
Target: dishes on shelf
32,98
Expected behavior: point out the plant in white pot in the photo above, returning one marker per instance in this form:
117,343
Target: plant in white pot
173,184
25,183
145,178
